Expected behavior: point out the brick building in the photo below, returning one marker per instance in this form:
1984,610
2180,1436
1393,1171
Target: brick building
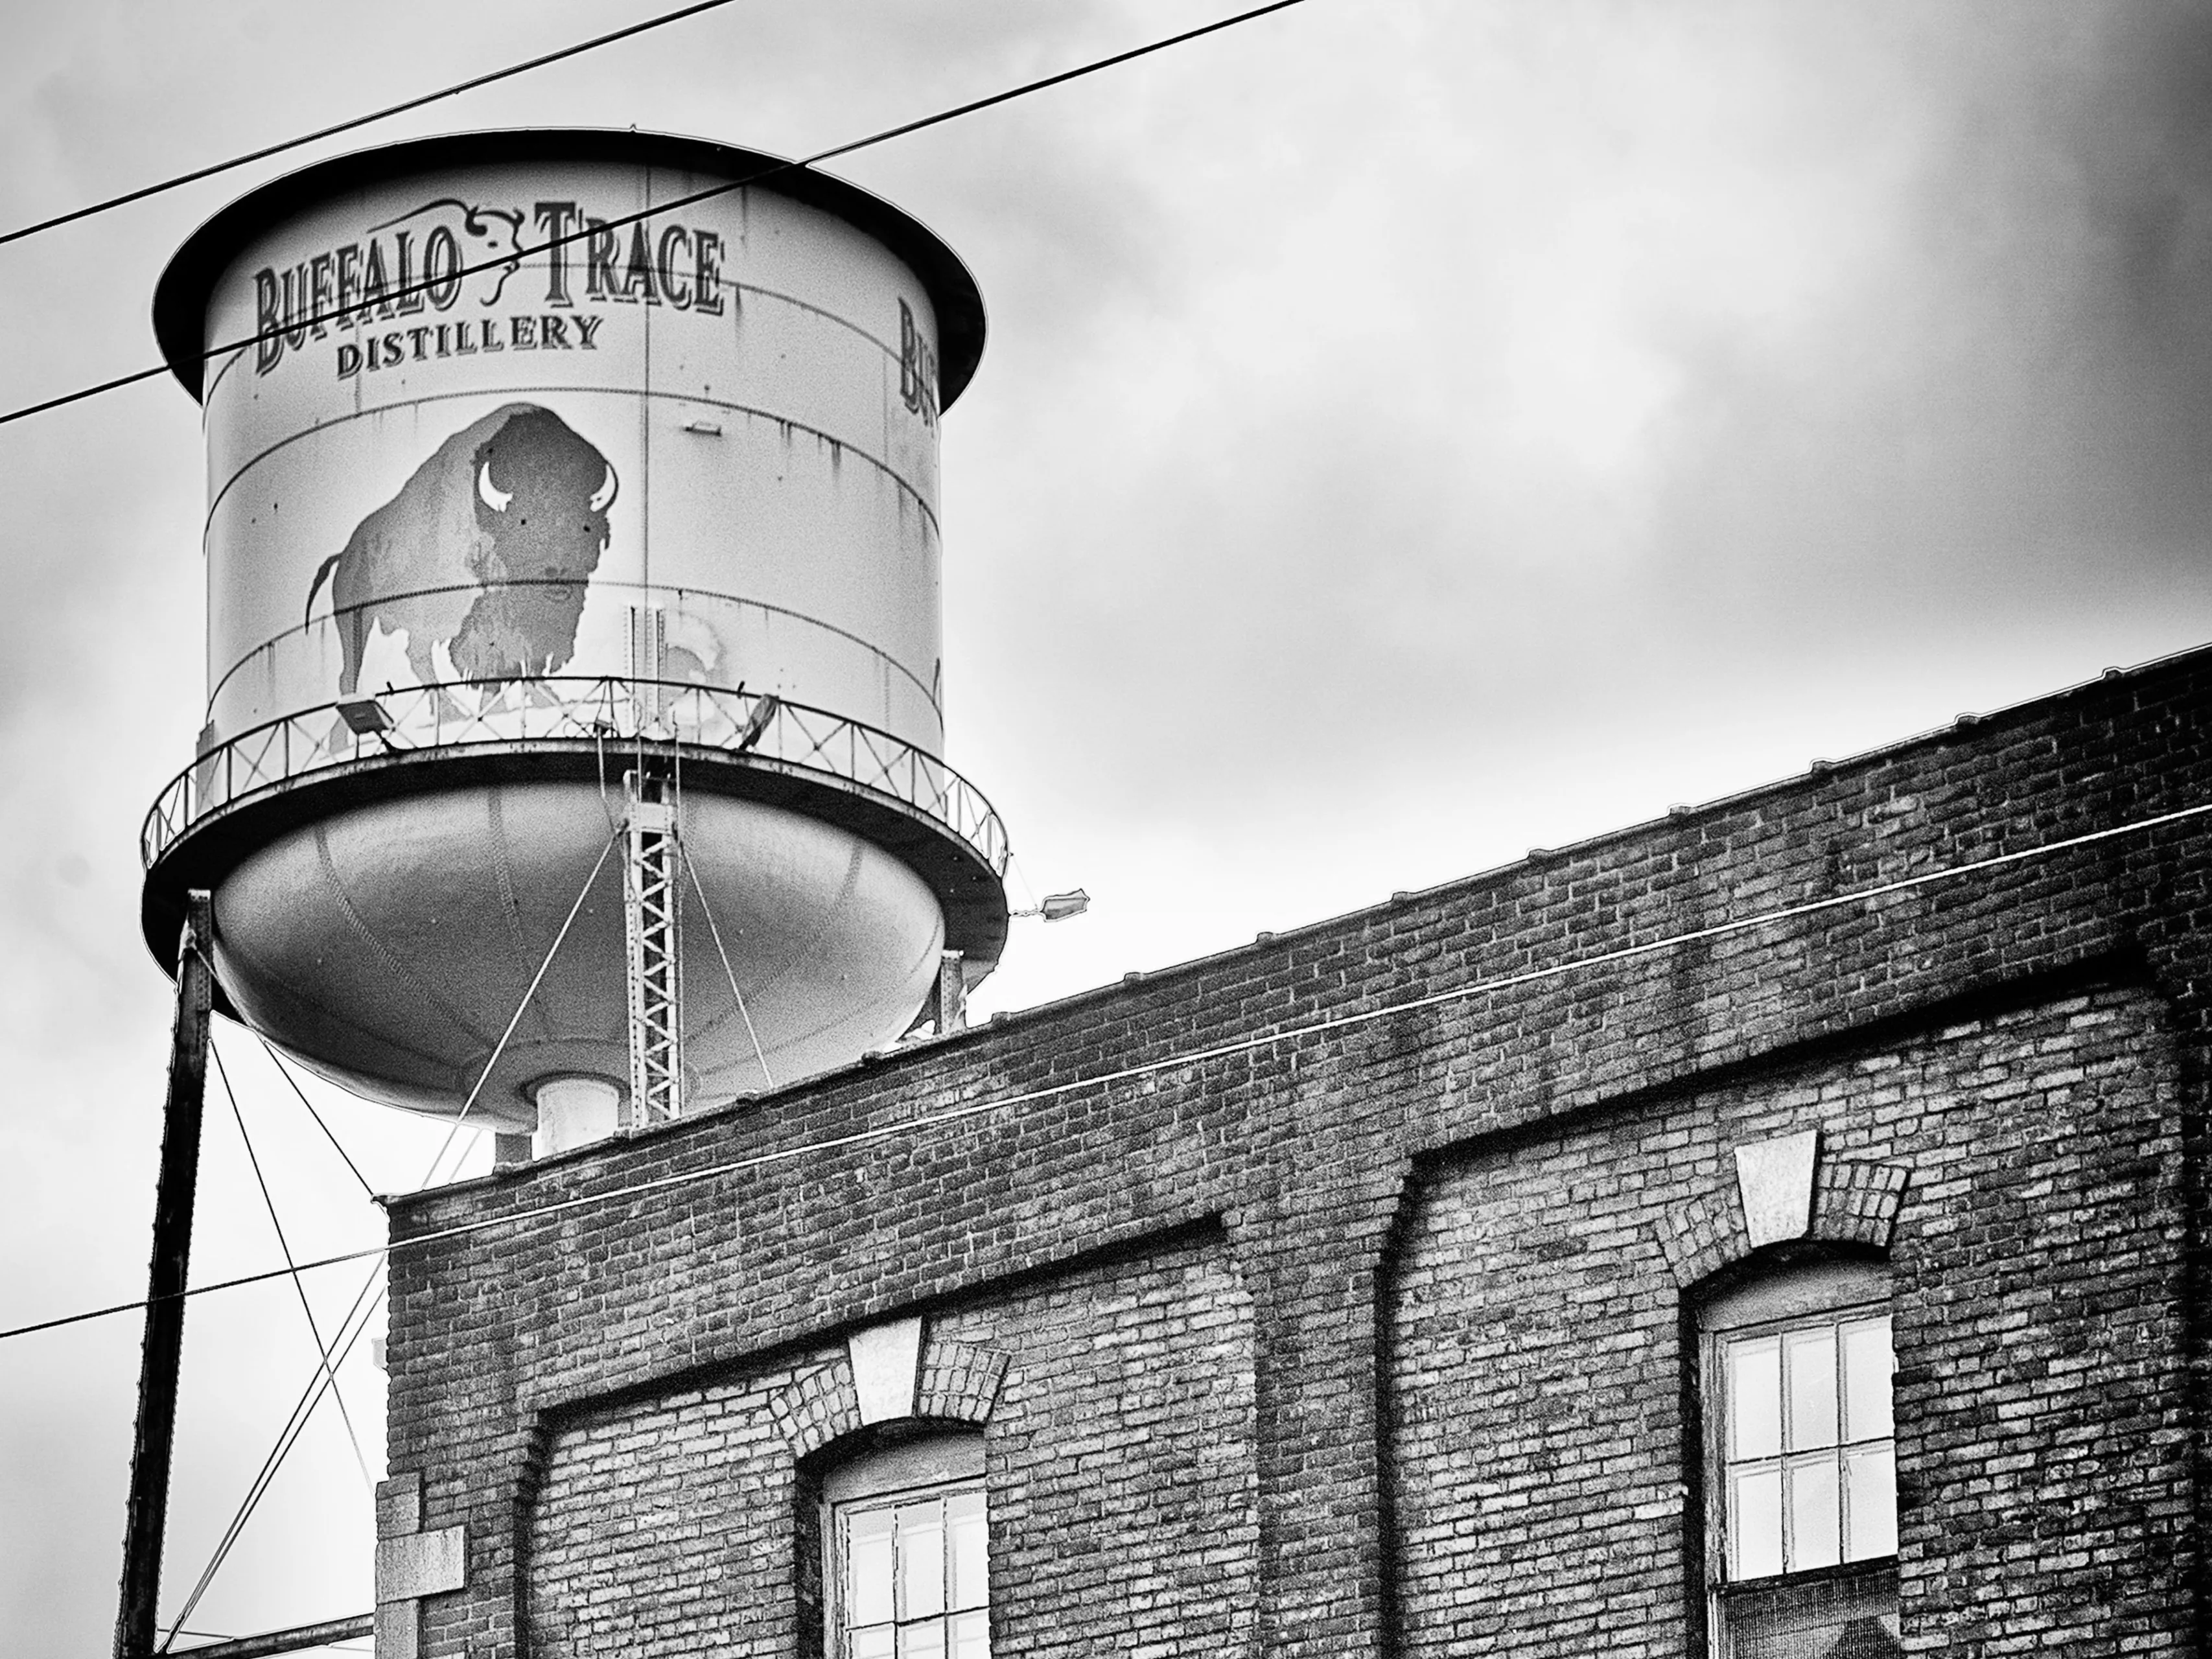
1513,1267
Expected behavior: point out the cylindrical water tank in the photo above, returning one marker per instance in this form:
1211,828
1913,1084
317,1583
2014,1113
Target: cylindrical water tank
534,459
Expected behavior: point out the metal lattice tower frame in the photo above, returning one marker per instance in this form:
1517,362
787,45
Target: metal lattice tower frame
652,911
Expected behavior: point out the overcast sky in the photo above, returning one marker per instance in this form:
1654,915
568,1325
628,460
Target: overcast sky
1410,433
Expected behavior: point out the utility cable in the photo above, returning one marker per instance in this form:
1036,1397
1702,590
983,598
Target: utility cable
277,1061
699,887
390,110
1177,1061
515,258
269,1201
286,1437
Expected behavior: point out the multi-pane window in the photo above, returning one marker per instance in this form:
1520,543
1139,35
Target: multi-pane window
912,1577
1811,1459
904,1549
1801,1490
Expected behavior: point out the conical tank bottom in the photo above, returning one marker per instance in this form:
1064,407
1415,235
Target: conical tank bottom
389,946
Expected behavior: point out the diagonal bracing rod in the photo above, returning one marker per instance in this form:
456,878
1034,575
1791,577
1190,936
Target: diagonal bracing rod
146,1517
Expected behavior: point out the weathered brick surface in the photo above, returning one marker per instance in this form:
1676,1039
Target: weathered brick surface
1285,1102
816,1407
2042,1399
664,1527
1120,1459
1537,1357
959,1382
1856,1202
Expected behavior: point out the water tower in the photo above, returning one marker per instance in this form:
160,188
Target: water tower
572,567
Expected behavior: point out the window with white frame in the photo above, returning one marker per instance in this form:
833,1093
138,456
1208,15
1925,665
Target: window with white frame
905,1546
1801,1465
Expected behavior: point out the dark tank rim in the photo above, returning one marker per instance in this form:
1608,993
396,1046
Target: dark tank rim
968,891
181,297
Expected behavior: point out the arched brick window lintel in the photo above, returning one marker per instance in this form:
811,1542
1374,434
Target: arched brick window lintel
938,1380
817,1408
1778,1192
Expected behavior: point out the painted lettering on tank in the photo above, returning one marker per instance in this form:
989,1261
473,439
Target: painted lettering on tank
434,256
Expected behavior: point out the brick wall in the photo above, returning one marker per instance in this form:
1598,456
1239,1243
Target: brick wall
1120,1457
663,1526
1537,1354
1119,1452
1281,1103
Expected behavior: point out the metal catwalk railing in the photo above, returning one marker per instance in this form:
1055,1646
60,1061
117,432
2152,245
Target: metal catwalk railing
607,711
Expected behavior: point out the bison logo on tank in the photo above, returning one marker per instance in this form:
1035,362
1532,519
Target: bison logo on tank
481,560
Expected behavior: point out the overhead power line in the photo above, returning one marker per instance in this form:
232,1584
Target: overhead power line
599,228
358,121
1177,1061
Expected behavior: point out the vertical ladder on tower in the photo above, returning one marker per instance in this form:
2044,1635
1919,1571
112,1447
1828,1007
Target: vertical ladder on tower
651,913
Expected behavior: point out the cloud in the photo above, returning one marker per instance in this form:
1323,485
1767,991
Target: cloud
1408,432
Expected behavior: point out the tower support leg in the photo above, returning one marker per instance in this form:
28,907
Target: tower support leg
146,1516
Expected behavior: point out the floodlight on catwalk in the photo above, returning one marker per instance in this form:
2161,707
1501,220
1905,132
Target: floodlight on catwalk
574,724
